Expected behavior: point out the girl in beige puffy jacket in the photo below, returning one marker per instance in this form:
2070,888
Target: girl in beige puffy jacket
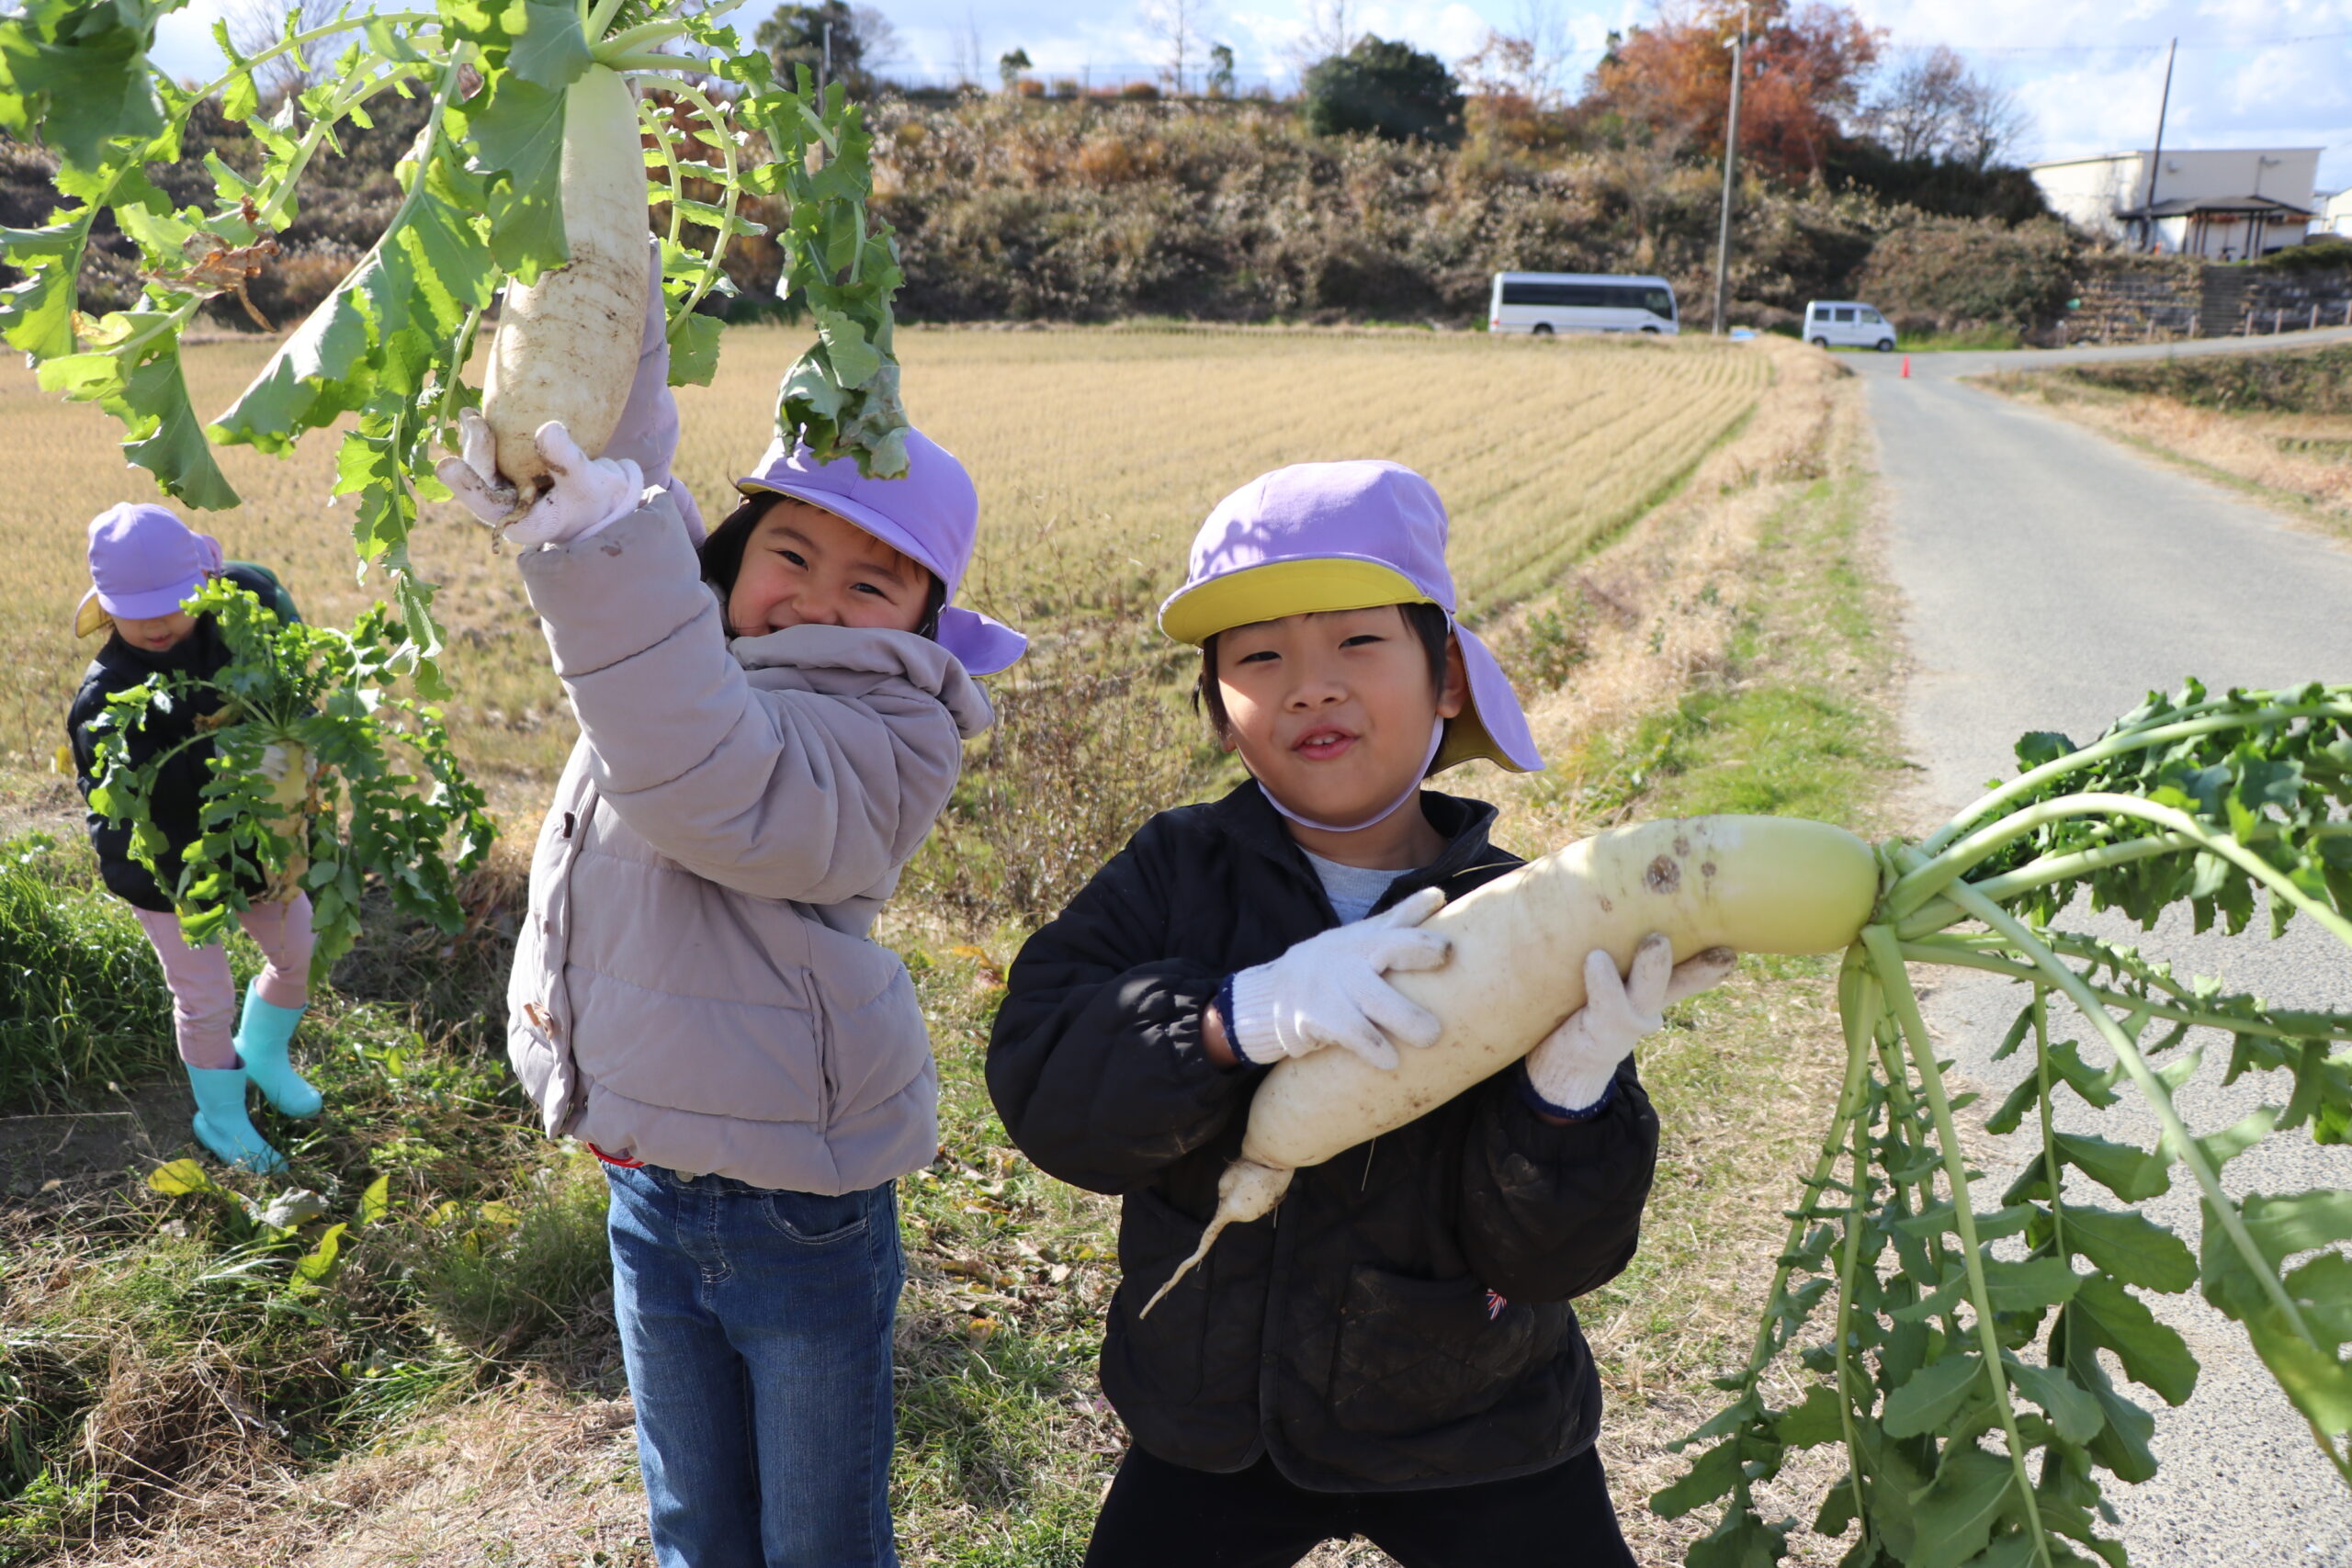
769,725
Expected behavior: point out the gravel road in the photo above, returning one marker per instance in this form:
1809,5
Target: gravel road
2052,576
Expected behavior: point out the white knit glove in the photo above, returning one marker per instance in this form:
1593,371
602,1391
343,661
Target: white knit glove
587,493
274,761
1329,989
1574,1066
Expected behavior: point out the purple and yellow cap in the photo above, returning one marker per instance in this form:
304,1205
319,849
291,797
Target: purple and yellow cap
1321,537
144,562
931,513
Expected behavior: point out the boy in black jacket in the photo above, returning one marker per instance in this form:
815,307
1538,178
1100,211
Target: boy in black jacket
1391,1353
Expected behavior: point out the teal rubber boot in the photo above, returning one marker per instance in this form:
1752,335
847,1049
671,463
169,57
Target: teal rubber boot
262,1035
220,1123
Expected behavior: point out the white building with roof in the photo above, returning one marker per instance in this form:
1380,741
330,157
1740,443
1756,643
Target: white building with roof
2334,215
2224,204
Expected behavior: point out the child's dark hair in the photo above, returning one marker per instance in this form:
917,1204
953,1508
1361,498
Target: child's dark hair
1428,622
722,561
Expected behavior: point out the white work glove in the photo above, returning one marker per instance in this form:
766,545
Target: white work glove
1329,990
272,764
1575,1066
587,493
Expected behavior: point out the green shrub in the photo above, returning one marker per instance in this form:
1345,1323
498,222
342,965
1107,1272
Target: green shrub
1379,88
1967,273
81,998
2328,253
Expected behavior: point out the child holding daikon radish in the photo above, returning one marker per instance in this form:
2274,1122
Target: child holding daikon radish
769,725
1391,1353
144,563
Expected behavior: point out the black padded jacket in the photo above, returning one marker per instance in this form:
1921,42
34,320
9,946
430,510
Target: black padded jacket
1402,1319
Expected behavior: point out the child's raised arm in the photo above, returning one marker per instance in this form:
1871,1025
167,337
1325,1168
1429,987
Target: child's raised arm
1096,1062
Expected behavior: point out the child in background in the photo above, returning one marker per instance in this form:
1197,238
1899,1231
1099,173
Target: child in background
768,729
144,562
1392,1352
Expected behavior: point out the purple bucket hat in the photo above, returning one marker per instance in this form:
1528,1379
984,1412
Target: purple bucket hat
144,562
931,513
1344,536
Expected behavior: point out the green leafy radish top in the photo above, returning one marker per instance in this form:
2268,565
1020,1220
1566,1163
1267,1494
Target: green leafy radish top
370,785
384,355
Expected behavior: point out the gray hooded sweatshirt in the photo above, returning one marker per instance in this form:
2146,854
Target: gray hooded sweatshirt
696,986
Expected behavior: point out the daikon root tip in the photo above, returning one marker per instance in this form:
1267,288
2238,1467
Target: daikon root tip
1247,1190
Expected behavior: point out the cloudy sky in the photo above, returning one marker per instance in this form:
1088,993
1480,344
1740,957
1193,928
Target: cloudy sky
2251,73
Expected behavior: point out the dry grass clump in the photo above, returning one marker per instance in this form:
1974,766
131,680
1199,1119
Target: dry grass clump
511,1478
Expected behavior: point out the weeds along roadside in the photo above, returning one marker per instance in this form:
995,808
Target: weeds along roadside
462,1329
1737,653
2276,426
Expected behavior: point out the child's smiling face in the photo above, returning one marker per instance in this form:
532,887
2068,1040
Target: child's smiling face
1332,711
804,566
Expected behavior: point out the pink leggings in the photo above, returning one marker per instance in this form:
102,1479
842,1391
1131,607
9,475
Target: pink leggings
204,998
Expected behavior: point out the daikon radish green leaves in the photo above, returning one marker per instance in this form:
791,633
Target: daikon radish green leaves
671,105
1977,1391
371,788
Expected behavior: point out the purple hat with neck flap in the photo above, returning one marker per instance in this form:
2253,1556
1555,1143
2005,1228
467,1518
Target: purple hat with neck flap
144,562
931,513
1319,536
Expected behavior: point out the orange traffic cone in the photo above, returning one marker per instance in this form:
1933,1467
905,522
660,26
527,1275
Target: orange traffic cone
1907,367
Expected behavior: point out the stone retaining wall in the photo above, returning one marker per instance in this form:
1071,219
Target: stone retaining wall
2146,300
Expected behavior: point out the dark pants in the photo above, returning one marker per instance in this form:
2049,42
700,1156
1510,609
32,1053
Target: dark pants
1164,1515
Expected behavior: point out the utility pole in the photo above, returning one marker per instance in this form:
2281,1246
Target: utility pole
1731,158
2156,158
825,71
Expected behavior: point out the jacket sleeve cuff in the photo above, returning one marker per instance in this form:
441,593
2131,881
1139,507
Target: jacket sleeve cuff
1248,1012
1538,1101
604,600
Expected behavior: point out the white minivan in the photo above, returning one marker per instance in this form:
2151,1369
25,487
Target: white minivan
1846,323
1547,302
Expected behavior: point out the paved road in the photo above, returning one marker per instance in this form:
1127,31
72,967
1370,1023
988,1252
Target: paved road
2052,576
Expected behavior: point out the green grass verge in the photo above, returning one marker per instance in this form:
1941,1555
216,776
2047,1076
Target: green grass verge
1793,730
81,998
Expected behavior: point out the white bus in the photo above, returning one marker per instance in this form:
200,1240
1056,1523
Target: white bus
1547,302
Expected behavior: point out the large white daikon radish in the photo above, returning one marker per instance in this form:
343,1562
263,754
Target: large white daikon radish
567,344
1754,884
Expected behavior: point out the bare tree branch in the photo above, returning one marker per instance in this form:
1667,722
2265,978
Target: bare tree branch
1331,29
1178,26
256,24
1936,106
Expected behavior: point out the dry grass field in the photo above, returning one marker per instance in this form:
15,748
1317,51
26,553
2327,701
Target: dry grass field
1096,454
1668,545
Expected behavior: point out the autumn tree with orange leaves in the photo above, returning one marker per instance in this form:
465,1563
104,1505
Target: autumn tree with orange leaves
1670,80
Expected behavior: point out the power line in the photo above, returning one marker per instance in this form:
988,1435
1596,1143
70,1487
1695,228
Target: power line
2238,46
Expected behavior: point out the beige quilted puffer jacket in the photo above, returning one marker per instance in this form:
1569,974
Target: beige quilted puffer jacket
695,986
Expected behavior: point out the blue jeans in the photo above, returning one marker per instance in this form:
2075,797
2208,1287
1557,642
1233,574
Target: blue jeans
755,1324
